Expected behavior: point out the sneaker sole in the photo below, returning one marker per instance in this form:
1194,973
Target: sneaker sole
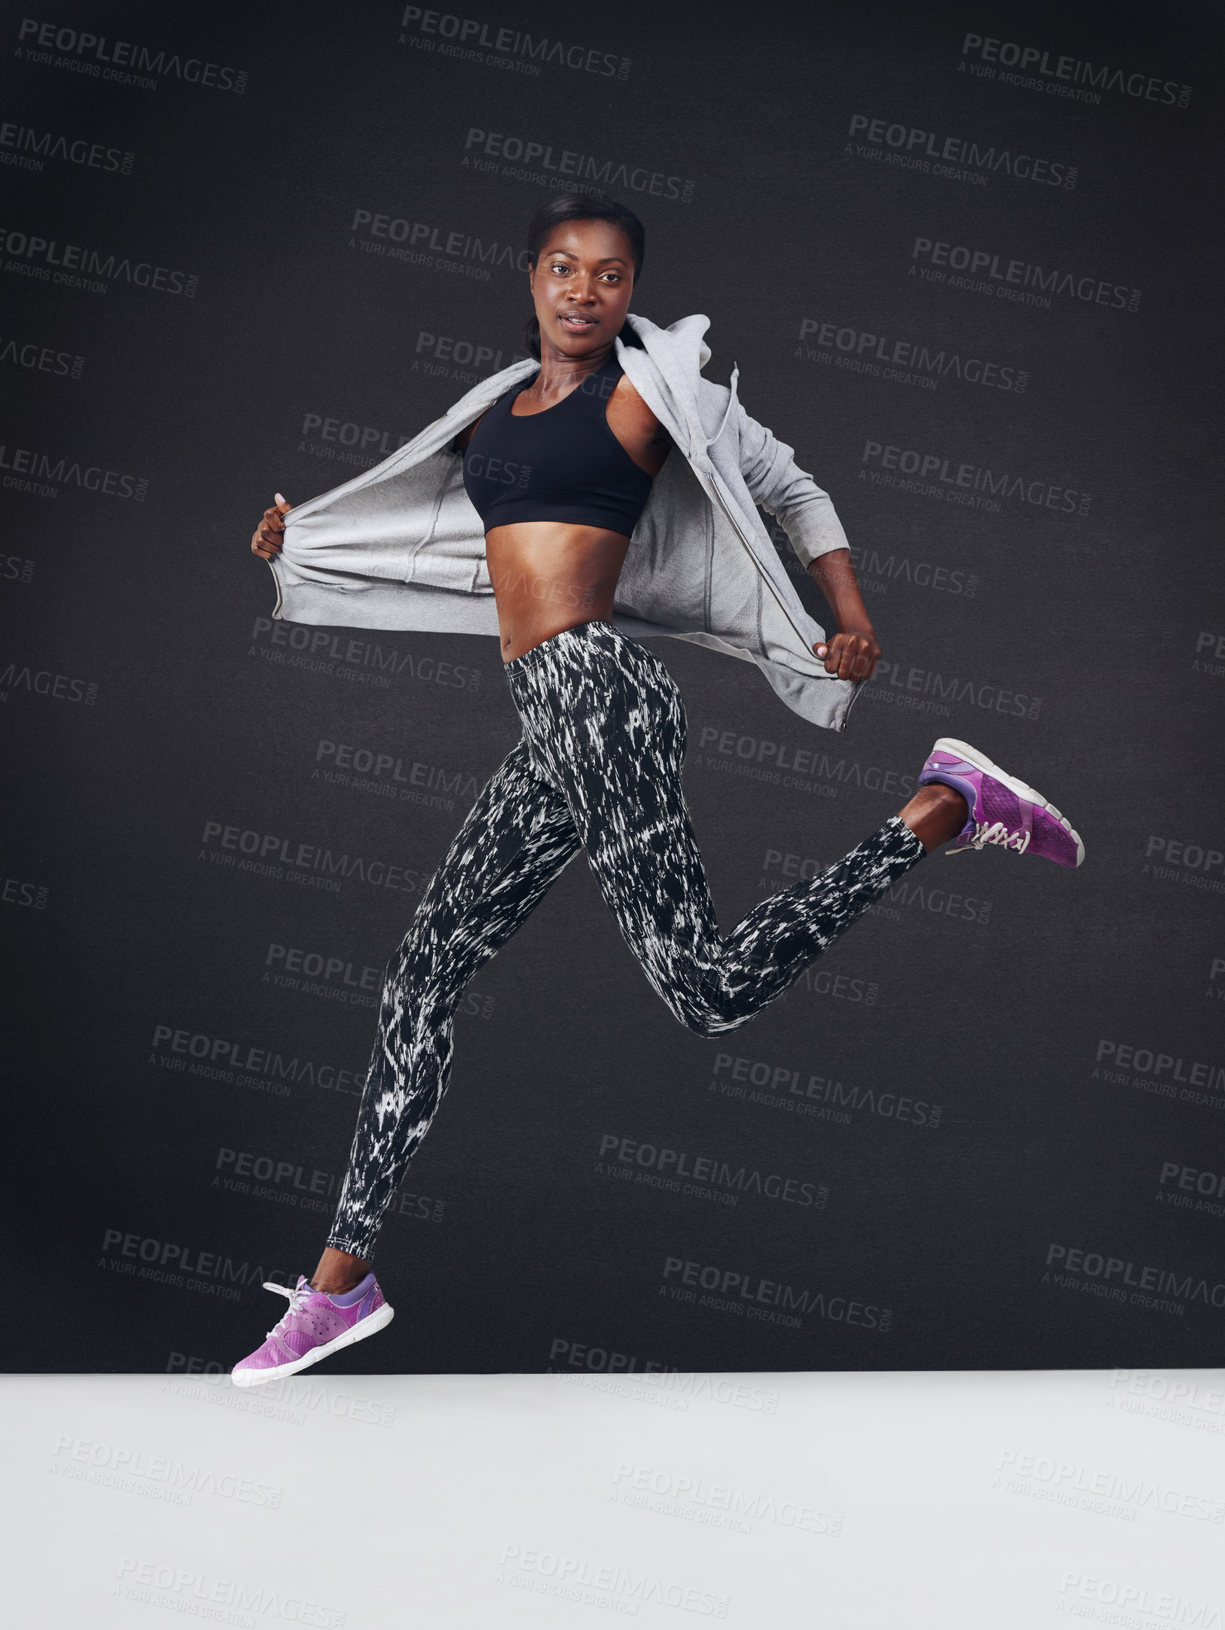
369,1326
980,761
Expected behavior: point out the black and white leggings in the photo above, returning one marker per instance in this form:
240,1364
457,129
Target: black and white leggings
598,768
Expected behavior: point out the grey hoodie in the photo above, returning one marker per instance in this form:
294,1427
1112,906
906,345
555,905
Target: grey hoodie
400,546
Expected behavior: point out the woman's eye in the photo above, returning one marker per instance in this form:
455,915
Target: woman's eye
560,266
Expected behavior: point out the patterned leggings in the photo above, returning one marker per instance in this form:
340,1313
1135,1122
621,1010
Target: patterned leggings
598,768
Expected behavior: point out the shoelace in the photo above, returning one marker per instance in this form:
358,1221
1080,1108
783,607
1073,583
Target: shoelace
997,832
296,1298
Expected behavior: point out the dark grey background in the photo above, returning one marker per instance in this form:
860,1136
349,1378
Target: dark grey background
992,987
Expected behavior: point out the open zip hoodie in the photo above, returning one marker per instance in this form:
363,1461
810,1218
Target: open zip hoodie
401,546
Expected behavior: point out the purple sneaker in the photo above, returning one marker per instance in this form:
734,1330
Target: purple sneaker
315,1326
1003,810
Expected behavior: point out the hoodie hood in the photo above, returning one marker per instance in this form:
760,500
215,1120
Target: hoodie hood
667,373
683,338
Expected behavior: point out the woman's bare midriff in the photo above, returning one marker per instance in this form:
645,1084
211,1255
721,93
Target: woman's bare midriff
549,575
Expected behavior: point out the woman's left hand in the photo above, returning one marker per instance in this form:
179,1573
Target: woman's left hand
850,654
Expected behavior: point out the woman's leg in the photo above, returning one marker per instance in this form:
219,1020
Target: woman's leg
513,844
607,728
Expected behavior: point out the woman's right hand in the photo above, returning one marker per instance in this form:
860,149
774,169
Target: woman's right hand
266,539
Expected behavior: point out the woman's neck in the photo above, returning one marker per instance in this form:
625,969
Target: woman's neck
560,374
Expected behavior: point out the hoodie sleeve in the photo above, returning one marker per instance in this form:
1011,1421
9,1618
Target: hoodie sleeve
803,510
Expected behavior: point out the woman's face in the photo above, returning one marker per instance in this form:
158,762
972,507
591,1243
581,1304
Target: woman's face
581,286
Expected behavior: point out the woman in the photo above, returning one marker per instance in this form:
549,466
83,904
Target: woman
598,479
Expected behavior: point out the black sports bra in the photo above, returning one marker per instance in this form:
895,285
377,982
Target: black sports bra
563,464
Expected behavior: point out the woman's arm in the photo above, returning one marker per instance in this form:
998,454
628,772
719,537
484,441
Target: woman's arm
853,652
808,517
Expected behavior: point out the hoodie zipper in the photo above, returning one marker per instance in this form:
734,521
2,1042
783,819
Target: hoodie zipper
856,684
747,544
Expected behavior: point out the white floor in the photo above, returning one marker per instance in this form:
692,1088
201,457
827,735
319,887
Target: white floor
958,1501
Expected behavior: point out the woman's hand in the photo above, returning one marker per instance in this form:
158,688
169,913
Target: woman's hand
266,539
851,654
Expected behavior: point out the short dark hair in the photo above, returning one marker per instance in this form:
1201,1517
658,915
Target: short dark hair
581,206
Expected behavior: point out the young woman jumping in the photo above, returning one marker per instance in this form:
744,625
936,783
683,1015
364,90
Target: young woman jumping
587,508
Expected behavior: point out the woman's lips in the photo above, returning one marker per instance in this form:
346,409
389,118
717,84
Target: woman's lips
572,320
